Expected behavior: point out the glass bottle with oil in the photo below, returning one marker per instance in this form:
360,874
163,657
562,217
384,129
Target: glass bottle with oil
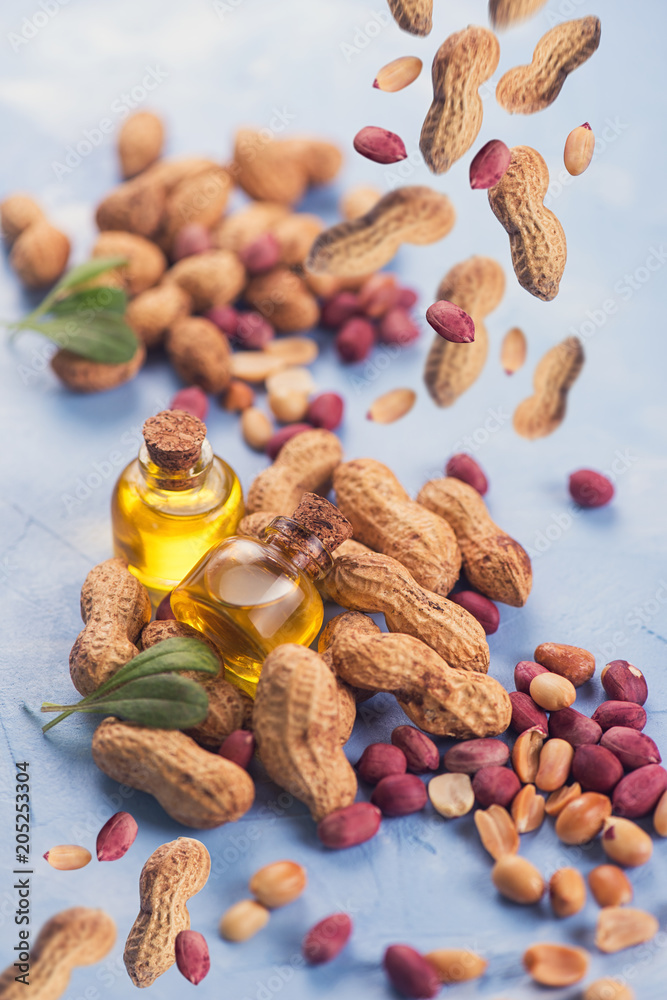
173,503
250,595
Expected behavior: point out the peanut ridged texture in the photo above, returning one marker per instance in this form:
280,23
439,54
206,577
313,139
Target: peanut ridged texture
461,65
296,724
436,697
114,607
226,704
493,561
505,13
556,372
193,786
305,464
537,241
371,582
414,16
477,286
78,936
172,875
385,518
417,215
527,89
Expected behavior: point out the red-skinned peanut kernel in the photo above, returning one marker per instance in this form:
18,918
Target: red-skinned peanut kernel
164,612
326,411
327,938
480,607
191,239
526,714
400,795
451,322
253,331
349,826
620,713
192,957
623,681
379,145
590,489
226,318
421,753
380,759
193,400
465,468
410,973
495,786
338,309
260,255
281,437
397,327
489,165
116,837
355,340
239,746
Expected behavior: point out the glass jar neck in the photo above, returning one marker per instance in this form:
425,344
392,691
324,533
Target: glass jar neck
178,481
301,547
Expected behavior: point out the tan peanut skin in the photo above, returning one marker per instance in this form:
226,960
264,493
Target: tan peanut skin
436,697
556,372
537,241
371,582
172,875
83,375
385,518
194,787
115,606
493,561
348,697
226,704
461,65
296,725
199,199
135,206
417,215
353,621
527,89
505,13
140,141
212,278
305,464
415,16
281,170
477,286
239,229
146,262
283,297
74,937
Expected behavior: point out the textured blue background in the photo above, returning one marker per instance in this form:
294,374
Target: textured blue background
600,577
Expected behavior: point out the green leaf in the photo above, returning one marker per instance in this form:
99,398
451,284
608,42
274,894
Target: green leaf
77,276
165,658
86,272
162,701
168,656
106,337
100,299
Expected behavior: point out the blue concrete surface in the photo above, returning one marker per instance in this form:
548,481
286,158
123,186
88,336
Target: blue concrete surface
600,576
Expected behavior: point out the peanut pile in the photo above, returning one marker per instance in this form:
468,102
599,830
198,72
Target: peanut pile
213,290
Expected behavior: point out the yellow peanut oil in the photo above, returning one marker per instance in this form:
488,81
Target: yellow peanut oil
249,596
163,522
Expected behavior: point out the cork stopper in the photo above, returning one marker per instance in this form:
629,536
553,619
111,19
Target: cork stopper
321,518
174,439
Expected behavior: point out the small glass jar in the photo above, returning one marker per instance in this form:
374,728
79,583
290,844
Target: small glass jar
249,596
164,520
